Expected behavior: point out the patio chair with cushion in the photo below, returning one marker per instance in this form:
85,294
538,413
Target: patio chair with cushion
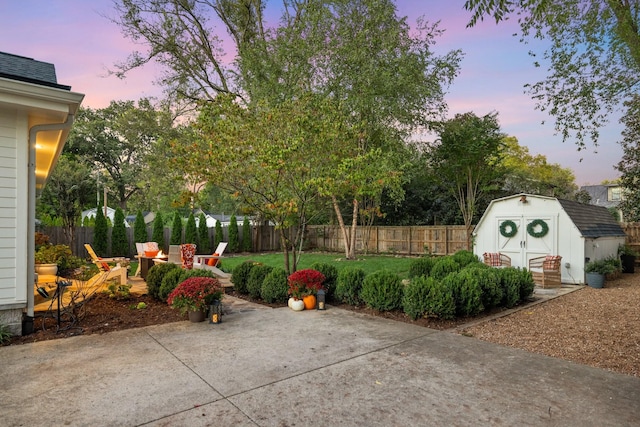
546,271
210,262
496,259
112,266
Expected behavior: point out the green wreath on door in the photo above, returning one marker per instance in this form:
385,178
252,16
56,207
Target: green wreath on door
531,228
508,228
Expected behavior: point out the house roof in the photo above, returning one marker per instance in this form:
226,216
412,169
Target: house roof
29,70
600,194
592,221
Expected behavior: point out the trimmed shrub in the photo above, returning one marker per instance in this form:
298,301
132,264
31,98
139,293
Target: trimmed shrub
191,231
140,229
527,285
330,273
240,275
510,283
469,293
426,296
255,279
443,267
157,234
415,300
204,245
421,267
489,280
169,282
349,285
176,230
464,258
382,291
218,234
234,243
119,240
100,234
275,287
155,276
246,235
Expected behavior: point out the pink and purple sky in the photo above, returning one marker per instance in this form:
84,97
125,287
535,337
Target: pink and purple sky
76,37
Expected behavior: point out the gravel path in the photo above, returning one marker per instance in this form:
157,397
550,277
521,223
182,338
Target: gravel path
595,327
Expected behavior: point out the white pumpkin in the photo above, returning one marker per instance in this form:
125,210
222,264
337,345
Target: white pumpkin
297,305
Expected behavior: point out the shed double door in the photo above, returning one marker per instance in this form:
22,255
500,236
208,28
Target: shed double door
522,247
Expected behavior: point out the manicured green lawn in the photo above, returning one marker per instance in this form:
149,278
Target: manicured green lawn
369,263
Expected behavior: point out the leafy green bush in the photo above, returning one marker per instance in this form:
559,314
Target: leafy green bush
100,234
421,266
255,279
415,300
382,291
157,235
469,296
176,229
140,229
444,266
155,276
5,333
191,231
527,285
489,281
234,234
510,283
204,244
464,258
119,240
240,275
349,285
246,235
169,283
218,235
274,286
330,273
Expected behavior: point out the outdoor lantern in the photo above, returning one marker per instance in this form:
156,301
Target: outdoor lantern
215,312
321,299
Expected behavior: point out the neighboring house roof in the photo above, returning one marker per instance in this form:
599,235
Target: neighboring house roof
600,195
91,213
29,70
592,221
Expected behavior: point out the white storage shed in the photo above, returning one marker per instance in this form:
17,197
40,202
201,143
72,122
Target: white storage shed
526,226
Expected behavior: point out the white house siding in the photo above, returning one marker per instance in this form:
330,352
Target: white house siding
11,302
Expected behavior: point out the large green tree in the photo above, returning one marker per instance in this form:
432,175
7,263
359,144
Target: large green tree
116,140
629,165
466,159
593,60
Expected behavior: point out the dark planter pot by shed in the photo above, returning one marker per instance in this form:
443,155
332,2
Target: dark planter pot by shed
628,263
595,280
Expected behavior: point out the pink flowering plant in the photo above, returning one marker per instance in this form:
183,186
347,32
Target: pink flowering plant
195,294
305,282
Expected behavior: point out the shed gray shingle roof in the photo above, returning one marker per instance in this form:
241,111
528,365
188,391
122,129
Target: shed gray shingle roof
592,221
29,70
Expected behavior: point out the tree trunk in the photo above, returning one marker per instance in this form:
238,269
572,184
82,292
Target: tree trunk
354,225
345,235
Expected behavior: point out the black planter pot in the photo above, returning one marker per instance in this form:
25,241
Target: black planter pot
628,263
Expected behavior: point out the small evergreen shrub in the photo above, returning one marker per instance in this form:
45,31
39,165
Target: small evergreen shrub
140,229
100,234
119,240
255,279
510,283
240,275
441,301
246,235
218,234
191,231
421,266
330,273
489,281
349,285
157,235
415,300
469,295
275,287
234,242
464,258
169,282
176,229
382,291
204,244
527,284
443,267
155,276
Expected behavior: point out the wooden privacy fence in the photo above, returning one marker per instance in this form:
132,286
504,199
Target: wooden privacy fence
418,240
407,240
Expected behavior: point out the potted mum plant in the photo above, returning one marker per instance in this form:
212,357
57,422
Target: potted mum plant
51,259
304,285
596,272
194,295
